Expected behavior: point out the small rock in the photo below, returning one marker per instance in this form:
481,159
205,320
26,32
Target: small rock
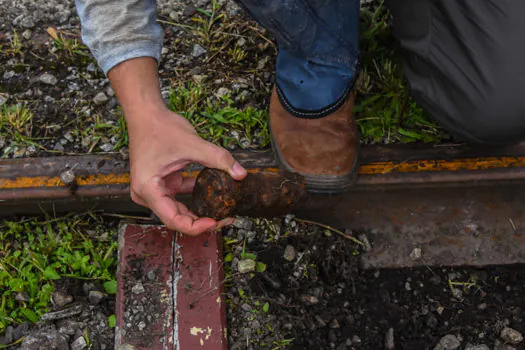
79,344
100,98
68,177
310,299
477,347
88,287
91,67
151,275
241,42
415,254
482,306
142,325
21,331
48,339
246,307
27,34
69,327
48,79
198,51
95,297
28,22
3,99
110,92
107,147
289,253
448,342
335,324
356,340
221,92
61,299
498,345
246,265
367,247
199,78
243,223
511,336
389,339
22,297
9,74
8,336
139,288
165,51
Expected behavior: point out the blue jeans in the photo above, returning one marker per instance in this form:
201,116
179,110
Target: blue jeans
318,55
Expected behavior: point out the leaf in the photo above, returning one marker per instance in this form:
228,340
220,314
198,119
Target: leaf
112,321
110,287
266,307
250,256
52,32
260,267
51,273
30,315
228,257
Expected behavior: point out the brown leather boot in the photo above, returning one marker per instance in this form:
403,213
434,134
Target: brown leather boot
323,150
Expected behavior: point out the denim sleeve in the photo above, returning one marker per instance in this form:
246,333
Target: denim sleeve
116,31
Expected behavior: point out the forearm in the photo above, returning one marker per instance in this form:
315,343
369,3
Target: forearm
116,31
137,87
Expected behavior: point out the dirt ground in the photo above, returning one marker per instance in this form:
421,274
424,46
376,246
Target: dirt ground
319,297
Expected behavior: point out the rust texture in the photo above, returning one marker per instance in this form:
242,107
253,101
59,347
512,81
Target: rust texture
267,194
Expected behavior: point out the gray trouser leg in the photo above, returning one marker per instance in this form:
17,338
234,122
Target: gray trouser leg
465,63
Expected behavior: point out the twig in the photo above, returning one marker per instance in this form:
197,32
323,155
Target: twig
133,217
342,234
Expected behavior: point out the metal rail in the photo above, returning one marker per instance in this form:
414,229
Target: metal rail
445,205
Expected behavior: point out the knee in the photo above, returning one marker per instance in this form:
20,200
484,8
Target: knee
499,119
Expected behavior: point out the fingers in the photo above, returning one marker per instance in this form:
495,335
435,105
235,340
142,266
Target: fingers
176,183
174,214
217,157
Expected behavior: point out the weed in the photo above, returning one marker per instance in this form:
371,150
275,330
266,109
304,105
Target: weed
70,46
17,118
237,54
205,25
385,111
34,254
217,120
15,45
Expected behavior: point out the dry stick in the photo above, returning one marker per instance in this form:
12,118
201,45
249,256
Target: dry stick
331,229
132,217
211,290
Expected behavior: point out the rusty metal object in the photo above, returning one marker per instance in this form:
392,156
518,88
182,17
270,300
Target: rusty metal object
267,194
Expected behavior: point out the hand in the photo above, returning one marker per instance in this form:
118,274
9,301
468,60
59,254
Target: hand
158,150
161,143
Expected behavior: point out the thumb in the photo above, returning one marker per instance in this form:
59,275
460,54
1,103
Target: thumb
217,157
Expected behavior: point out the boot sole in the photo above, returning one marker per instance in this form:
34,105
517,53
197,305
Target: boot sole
322,184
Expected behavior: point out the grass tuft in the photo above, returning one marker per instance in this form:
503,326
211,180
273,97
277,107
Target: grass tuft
35,254
218,120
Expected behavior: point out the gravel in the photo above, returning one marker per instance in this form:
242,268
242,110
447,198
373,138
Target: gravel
48,79
511,336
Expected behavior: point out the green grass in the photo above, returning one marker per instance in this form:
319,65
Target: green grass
385,111
217,120
35,254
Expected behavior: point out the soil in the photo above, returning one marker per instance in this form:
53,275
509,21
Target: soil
322,299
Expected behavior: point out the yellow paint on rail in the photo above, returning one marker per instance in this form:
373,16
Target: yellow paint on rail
375,168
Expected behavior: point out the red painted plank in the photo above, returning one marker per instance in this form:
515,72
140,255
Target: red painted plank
178,307
201,307
144,295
